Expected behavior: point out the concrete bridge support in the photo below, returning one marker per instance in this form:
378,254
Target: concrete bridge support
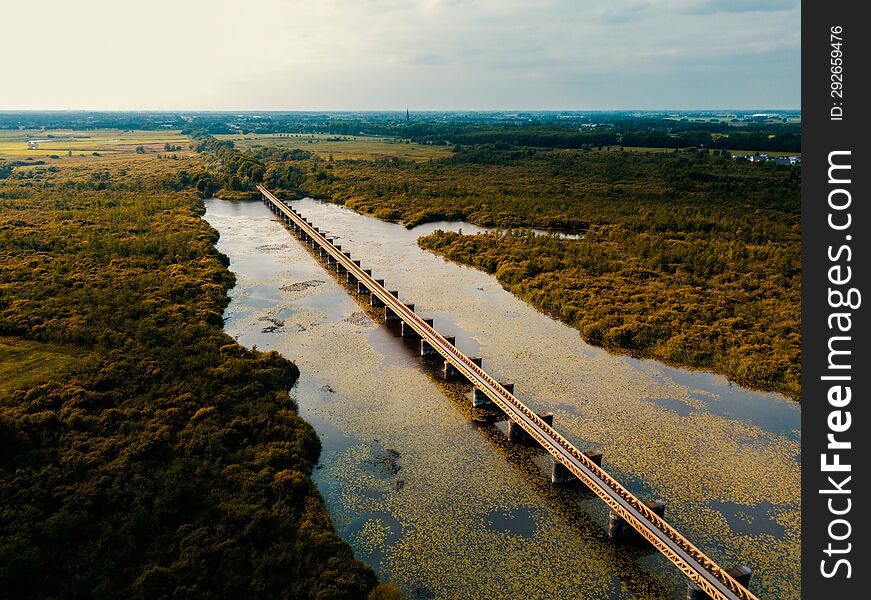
390,314
481,400
516,433
361,288
408,331
559,474
451,373
741,574
620,531
427,350
375,301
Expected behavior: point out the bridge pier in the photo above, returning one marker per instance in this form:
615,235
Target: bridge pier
426,348
560,474
480,399
620,531
408,331
362,289
451,373
741,574
517,434
375,301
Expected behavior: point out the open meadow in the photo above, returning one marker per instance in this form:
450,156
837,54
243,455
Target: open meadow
341,147
59,144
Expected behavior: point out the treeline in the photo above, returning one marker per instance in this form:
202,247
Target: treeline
170,461
237,173
689,257
550,129
85,120
569,190
734,140
541,138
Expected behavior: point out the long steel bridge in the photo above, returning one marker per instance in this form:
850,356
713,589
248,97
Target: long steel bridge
706,575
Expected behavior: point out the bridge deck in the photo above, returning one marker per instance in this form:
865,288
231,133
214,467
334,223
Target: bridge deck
691,561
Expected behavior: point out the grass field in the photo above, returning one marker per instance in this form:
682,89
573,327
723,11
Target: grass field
25,363
16,144
342,147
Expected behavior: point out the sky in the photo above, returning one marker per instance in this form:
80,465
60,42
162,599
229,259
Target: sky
396,54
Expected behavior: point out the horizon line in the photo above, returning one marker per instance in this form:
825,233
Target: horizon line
384,110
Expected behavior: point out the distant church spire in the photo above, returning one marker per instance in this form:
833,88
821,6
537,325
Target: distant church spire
407,115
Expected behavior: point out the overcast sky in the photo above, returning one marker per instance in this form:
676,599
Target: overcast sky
393,54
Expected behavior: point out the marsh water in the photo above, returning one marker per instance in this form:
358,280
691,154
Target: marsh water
429,492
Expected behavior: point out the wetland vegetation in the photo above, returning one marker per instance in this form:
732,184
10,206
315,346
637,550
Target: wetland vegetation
144,453
688,256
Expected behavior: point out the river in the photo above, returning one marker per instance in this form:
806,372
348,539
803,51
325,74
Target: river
429,492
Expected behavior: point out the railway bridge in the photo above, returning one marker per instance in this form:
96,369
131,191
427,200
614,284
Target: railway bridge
628,514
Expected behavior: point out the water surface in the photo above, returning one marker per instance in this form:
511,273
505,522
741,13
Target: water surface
429,492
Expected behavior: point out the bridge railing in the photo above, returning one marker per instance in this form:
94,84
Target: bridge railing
596,478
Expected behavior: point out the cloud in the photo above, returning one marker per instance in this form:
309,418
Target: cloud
425,54
709,7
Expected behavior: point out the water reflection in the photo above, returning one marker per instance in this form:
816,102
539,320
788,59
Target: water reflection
687,437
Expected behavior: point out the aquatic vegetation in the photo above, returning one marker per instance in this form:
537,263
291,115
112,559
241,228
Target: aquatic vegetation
425,518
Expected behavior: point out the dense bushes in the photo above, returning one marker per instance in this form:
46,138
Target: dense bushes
708,303
170,461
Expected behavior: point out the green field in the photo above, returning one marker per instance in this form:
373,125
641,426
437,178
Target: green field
15,144
25,363
342,147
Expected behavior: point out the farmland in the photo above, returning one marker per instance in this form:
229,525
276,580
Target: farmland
341,147
63,143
